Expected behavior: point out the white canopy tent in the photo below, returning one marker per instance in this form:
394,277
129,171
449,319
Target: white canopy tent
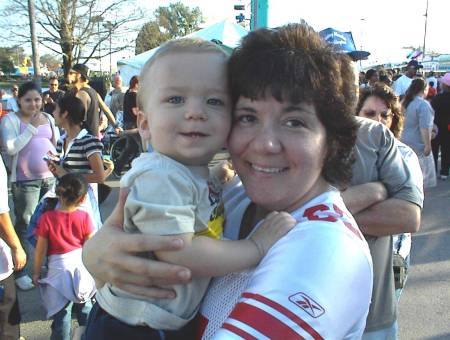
226,32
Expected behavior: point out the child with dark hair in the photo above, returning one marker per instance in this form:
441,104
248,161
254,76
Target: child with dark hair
61,234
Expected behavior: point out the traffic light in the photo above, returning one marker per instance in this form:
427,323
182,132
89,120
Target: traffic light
239,7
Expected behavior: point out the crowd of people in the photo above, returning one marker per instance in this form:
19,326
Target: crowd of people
325,181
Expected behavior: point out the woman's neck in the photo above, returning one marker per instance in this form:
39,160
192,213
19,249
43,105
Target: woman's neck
72,131
24,117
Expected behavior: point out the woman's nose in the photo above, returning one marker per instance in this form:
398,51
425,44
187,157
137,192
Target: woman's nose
267,140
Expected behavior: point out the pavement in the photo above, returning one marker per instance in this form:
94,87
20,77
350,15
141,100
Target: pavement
424,311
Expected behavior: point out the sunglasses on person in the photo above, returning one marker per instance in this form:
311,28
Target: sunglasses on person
55,84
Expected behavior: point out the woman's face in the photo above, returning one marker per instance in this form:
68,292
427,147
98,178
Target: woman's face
30,103
376,109
278,150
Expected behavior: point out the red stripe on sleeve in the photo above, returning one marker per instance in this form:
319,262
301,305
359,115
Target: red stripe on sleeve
286,312
238,331
263,322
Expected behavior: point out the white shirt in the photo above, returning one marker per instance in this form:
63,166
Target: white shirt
401,85
315,282
6,263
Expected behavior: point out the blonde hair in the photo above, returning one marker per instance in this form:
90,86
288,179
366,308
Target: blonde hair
183,45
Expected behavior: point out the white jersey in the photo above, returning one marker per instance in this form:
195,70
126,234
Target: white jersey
314,283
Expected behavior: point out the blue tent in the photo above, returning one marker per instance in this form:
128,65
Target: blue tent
227,33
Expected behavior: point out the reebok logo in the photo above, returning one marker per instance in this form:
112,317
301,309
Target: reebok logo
307,304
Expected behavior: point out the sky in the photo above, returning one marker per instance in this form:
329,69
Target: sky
381,27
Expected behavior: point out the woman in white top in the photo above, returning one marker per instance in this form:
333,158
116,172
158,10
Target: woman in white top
27,136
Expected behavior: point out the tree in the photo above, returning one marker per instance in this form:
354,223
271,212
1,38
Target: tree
52,62
74,29
173,21
10,56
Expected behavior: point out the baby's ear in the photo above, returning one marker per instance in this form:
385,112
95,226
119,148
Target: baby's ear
143,126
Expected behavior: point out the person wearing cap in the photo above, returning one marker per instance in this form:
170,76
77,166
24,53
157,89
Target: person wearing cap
441,106
401,84
79,77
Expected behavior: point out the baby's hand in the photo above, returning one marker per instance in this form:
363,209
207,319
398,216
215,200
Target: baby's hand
222,171
274,227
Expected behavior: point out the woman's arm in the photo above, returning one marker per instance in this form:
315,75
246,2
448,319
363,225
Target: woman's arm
110,256
8,234
205,256
13,142
39,254
425,133
360,197
99,173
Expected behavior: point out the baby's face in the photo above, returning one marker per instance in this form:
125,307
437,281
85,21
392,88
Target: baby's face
188,114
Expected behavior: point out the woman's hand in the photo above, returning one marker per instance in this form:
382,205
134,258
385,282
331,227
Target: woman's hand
55,169
110,257
272,228
35,278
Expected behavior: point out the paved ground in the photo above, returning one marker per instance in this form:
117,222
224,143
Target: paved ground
424,307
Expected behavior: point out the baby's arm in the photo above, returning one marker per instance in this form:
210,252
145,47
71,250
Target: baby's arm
205,256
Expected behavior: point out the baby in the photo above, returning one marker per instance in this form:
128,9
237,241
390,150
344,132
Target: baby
185,112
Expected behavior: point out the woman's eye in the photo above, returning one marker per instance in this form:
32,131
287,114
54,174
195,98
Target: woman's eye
294,123
245,119
175,100
215,101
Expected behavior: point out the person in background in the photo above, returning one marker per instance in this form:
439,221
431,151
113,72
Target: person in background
11,103
419,117
79,77
12,257
441,106
51,97
27,136
78,151
133,140
381,104
431,90
371,78
117,95
403,82
61,233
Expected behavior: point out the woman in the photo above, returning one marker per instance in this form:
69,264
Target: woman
441,106
27,136
78,151
418,126
130,111
292,138
380,103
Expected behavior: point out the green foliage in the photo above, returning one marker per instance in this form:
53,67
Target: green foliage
173,21
53,62
9,56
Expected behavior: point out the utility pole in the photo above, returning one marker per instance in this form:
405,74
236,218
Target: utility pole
425,32
34,42
260,9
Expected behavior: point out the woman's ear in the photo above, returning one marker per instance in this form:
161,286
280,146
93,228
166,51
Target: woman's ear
143,126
